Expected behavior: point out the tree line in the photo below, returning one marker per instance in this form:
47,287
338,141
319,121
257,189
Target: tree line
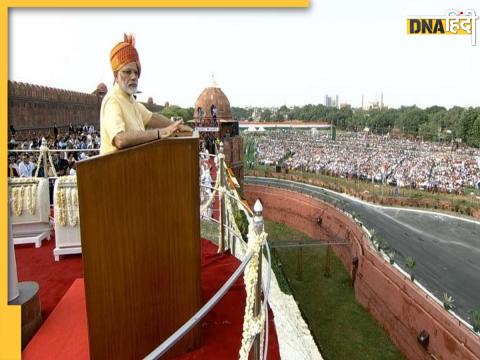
434,123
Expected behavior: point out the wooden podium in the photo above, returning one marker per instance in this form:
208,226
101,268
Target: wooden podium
140,231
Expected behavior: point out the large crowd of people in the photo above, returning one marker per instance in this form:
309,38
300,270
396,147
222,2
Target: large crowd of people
401,162
23,162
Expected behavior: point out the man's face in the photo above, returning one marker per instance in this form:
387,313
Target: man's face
127,78
26,159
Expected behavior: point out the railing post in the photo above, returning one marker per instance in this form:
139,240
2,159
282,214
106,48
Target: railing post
44,149
227,231
258,225
232,242
221,168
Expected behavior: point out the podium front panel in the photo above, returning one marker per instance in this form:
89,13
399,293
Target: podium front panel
140,233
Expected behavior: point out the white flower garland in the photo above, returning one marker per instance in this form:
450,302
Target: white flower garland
31,198
17,201
252,325
72,206
60,207
210,200
66,208
233,223
39,162
212,195
51,163
19,188
45,151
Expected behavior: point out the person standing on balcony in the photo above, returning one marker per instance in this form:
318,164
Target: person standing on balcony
125,122
213,111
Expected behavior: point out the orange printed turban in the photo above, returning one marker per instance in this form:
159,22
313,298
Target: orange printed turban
124,53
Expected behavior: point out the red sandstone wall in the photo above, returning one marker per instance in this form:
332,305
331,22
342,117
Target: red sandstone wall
399,306
34,106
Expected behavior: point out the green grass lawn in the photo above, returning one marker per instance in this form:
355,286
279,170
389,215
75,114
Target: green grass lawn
342,328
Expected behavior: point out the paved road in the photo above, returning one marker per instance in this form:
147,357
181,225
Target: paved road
446,248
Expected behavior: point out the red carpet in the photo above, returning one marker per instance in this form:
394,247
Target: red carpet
54,278
64,334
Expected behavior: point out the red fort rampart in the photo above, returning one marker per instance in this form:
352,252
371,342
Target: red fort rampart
397,304
33,107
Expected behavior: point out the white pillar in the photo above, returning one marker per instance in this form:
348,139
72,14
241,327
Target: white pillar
12,264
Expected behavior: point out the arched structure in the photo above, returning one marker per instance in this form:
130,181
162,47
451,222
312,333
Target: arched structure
213,96
226,128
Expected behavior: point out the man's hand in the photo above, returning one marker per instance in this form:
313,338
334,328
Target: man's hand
185,129
170,129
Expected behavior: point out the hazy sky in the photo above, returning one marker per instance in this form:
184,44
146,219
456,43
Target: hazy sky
260,57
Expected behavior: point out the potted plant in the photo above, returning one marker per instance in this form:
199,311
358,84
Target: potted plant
391,256
448,302
410,263
475,317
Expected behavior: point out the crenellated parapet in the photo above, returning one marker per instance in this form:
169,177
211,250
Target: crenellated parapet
33,106
38,92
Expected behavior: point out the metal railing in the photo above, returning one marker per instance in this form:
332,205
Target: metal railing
230,237
195,319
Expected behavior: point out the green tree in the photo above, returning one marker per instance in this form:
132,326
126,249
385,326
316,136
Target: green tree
239,113
410,120
266,115
174,110
452,118
470,126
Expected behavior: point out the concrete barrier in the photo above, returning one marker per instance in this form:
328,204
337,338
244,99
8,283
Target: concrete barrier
399,306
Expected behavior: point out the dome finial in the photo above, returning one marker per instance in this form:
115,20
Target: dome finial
214,83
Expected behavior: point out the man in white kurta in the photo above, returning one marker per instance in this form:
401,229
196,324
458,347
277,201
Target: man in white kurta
26,167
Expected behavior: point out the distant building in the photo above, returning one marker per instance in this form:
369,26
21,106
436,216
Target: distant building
228,129
332,101
212,96
373,104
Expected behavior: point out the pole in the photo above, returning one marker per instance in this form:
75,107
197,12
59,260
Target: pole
13,291
221,168
258,224
44,148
